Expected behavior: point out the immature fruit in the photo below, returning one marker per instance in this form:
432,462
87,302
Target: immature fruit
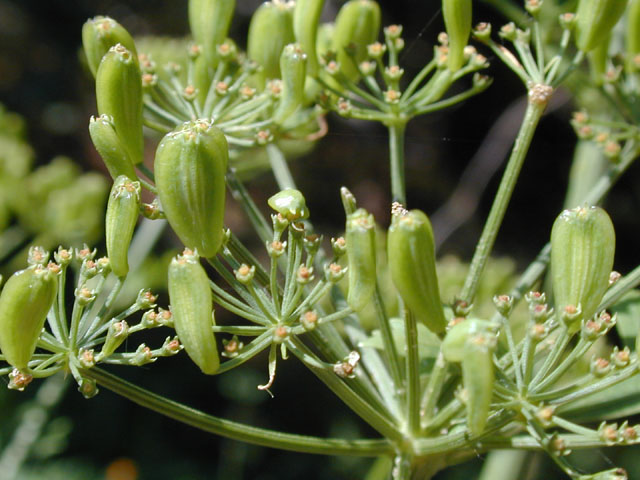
582,250
357,25
472,343
595,20
119,95
209,21
457,19
99,34
114,155
306,17
293,64
290,203
120,222
360,234
25,301
271,28
190,169
633,37
412,263
192,310
454,344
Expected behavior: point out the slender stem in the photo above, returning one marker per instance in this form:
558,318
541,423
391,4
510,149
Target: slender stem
485,244
279,167
255,216
391,353
579,350
434,387
235,430
514,353
365,411
562,340
396,155
413,373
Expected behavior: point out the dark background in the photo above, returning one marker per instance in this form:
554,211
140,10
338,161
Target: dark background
42,79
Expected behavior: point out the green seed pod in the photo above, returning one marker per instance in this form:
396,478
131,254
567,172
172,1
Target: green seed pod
120,221
412,263
293,70
360,234
24,303
457,20
306,17
192,310
289,203
114,155
454,344
119,95
598,60
209,21
190,168
477,378
632,38
357,25
582,250
271,28
595,20
99,34
472,342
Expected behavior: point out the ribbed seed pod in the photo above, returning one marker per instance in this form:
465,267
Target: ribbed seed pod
582,250
209,21
360,234
457,20
192,310
595,19
99,34
271,28
454,344
632,38
114,155
119,95
25,301
190,168
120,222
293,64
412,263
306,17
598,60
357,25
472,342
477,378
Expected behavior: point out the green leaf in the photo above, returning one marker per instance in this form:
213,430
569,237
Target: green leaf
620,401
628,317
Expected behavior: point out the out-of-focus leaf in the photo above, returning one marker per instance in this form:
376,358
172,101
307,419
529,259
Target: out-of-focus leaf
620,401
428,343
628,321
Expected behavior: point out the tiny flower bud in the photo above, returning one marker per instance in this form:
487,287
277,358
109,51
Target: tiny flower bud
280,333
142,356
19,380
231,348
244,274
309,320
37,256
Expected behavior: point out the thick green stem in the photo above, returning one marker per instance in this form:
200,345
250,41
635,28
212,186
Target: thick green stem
235,430
518,154
396,152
